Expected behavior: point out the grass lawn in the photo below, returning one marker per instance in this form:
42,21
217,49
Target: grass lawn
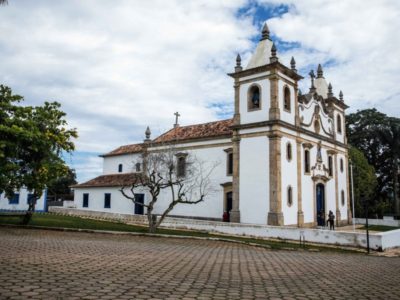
59,221
381,228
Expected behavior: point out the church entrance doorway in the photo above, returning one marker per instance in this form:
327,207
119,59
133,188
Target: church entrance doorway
228,206
320,192
139,208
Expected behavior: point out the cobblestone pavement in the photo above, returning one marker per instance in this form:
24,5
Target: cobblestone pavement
44,264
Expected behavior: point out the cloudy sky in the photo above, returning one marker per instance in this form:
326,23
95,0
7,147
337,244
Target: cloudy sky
118,66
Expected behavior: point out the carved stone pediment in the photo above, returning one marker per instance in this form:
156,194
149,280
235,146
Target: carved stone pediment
320,172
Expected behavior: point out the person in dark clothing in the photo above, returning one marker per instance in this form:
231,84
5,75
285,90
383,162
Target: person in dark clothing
331,220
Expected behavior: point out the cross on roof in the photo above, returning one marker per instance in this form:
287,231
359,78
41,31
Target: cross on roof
177,115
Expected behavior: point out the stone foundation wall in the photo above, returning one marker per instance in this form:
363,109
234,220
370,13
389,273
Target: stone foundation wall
378,241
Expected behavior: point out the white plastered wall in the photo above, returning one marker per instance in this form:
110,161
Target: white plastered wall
339,135
119,204
307,187
342,186
255,115
110,163
23,201
289,178
254,180
213,204
286,116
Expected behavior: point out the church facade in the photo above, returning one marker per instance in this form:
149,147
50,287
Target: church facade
283,157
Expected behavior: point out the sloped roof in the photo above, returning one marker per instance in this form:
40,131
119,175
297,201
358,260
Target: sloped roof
126,149
113,180
198,131
181,133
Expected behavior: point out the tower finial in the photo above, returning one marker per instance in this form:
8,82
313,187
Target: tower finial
147,133
330,93
312,75
341,96
265,32
273,57
293,64
238,67
320,72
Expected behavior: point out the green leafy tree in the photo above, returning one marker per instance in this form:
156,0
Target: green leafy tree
390,136
364,130
32,139
365,181
60,186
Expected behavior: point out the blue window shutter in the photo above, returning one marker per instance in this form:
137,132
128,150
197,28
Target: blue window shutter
14,199
85,200
107,200
30,196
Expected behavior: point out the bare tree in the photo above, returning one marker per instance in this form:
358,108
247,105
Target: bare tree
3,2
181,176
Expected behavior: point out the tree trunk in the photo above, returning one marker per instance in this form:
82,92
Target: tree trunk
31,208
152,223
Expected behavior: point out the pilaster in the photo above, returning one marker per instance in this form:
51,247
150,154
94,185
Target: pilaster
300,214
235,213
275,215
349,213
337,217
236,116
274,112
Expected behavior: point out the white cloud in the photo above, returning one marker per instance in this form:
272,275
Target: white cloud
118,66
362,39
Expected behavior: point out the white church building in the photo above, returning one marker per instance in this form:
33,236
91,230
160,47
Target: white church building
283,157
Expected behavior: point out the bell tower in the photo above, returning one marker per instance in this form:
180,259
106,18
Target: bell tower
265,95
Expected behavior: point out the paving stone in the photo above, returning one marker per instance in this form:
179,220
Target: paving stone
42,264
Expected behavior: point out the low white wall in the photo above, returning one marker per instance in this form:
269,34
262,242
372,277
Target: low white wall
384,222
139,219
68,204
378,241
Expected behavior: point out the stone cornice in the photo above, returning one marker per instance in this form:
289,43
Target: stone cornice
272,66
289,126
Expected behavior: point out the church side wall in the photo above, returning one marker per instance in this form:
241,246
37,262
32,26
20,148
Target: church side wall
254,180
289,179
213,205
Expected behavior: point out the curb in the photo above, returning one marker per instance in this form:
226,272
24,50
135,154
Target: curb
158,235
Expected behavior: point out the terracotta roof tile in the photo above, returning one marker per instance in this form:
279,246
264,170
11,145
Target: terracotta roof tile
116,180
126,149
198,131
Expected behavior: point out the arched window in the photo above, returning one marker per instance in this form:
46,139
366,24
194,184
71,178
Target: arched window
289,196
289,151
330,165
341,165
307,161
120,168
138,167
254,98
286,98
339,123
342,196
181,164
